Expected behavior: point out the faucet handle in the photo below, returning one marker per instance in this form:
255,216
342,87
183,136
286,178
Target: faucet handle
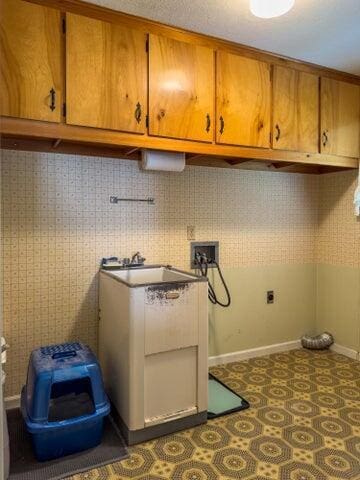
137,259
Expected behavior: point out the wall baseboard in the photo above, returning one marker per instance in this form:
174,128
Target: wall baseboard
348,352
253,352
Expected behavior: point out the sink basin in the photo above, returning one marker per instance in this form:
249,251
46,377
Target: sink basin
152,275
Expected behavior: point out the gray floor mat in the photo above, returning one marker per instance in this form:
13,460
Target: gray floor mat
24,466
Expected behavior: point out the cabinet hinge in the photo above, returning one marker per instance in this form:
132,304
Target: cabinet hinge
147,45
63,25
270,137
64,109
147,121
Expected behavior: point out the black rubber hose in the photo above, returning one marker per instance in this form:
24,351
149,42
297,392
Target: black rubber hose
228,302
211,293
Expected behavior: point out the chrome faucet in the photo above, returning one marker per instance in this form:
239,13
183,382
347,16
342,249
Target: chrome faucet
137,259
114,262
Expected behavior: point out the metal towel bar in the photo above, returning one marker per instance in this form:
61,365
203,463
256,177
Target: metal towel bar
149,200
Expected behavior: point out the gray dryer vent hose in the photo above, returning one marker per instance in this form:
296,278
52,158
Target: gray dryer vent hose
319,342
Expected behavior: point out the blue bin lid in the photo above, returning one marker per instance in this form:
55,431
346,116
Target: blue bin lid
61,348
64,355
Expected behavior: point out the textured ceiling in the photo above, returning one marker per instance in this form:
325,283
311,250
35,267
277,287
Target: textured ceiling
325,32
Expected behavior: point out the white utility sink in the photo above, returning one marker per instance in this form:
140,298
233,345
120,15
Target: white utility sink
152,275
153,336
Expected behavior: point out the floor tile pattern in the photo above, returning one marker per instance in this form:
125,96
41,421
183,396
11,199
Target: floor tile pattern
303,424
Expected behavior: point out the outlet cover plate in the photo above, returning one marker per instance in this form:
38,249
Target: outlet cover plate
190,230
270,297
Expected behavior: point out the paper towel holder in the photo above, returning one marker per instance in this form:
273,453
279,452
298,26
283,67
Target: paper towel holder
162,160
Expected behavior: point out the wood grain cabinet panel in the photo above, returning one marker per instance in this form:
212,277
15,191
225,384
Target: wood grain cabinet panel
340,118
106,75
295,110
242,101
30,56
181,89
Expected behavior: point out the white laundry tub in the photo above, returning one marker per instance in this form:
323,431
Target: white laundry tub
153,352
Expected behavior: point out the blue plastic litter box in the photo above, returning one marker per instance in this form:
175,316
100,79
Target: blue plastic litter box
64,402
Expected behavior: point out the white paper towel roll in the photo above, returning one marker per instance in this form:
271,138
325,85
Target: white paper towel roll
162,161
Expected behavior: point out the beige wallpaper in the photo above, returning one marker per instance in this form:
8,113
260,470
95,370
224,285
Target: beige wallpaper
58,223
338,258
338,235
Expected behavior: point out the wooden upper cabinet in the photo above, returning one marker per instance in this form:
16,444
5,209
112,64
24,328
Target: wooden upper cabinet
295,110
106,75
181,89
242,101
340,118
30,56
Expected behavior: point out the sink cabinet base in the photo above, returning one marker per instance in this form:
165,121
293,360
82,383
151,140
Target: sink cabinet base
133,437
153,351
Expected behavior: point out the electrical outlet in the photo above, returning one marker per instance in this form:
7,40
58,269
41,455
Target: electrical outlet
191,232
270,297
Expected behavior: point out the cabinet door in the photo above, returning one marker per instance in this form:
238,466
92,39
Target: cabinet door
181,89
106,77
170,385
177,325
242,101
340,118
295,110
30,53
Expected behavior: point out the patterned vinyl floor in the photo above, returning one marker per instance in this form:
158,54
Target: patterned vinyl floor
303,424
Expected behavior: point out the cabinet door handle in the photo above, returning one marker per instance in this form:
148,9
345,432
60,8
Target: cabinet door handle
53,99
325,138
277,138
222,125
138,112
208,123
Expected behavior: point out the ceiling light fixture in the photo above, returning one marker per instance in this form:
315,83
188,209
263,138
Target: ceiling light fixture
270,8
